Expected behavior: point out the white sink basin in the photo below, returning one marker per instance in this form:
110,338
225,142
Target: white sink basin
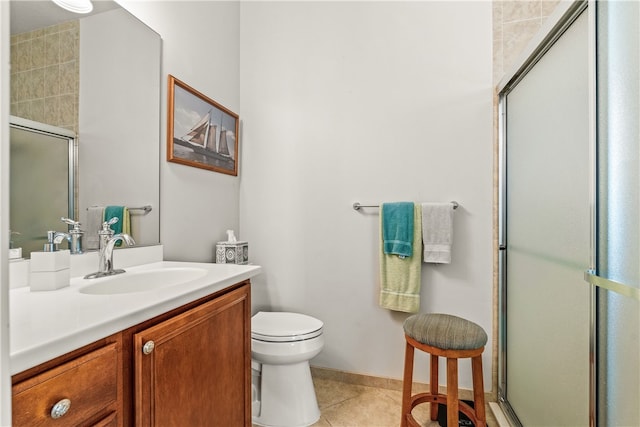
143,281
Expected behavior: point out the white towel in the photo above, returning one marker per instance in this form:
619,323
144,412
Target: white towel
95,218
437,232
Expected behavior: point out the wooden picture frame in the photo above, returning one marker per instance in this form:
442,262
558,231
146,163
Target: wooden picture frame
200,132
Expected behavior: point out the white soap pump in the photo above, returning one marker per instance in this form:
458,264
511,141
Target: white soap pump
49,270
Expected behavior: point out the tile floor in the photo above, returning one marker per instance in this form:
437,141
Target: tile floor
351,405
347,404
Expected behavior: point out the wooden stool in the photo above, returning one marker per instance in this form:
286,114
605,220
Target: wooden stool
454,338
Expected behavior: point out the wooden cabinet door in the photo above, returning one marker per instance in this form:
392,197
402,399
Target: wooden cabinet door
199,370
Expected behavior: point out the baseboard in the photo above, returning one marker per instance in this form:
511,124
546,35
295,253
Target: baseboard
386,383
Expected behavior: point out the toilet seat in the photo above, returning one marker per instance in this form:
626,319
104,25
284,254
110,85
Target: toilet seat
284,327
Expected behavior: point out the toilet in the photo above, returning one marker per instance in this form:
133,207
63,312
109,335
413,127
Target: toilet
282,344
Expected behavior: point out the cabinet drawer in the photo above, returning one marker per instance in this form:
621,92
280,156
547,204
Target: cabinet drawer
90,382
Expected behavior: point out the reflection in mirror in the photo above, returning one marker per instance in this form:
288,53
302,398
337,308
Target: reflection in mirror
42,182
99,77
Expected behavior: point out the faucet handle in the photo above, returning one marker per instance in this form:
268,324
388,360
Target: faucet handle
112,221
106,226
75,224
107,232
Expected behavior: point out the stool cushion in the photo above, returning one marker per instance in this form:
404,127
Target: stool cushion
445,331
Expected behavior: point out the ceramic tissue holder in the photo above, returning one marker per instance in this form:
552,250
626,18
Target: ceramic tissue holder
232,251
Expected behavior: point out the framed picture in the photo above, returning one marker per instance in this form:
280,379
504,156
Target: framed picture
200,132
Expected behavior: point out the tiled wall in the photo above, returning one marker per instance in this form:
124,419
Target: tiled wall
45,75
514,24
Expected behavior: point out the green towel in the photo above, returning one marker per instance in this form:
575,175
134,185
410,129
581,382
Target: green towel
114,211
397,228
124,223
400,278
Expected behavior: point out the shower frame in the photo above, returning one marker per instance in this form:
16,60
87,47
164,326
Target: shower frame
563,17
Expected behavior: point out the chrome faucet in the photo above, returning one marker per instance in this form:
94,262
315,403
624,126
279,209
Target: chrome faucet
75,235
105,256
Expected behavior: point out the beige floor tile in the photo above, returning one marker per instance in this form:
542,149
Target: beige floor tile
348,405
330,392
370,408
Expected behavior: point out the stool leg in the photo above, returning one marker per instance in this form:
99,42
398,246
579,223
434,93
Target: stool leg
406,384
433,386
478,390
452,392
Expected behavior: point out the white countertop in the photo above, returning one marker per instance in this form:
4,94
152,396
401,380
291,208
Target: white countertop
44,325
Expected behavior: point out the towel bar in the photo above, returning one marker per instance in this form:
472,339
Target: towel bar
357,205
145,208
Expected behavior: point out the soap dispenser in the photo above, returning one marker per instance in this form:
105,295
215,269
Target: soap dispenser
49,269
75,235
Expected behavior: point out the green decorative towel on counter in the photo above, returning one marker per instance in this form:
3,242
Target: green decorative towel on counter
400,278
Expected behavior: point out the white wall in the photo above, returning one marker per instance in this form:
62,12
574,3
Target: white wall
339,101
118,122
369,102
200,46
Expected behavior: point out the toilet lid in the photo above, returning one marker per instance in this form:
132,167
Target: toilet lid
284,327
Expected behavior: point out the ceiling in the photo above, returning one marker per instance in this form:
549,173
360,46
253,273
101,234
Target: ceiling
28,15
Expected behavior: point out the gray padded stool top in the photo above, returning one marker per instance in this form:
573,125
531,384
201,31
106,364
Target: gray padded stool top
445,331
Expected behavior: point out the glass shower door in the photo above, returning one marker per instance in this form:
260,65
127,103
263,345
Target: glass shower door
547,245
41,183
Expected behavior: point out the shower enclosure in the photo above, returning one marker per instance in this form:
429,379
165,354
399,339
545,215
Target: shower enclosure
569,223
41,182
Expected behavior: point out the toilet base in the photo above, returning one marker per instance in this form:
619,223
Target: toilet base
288,398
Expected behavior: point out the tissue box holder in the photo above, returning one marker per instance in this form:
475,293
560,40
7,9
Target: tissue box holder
232,253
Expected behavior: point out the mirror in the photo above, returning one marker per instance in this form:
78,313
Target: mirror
99,77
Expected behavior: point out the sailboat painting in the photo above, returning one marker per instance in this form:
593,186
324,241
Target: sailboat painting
200,132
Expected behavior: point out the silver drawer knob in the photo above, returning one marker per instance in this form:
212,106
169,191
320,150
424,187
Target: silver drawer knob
60,408
148,347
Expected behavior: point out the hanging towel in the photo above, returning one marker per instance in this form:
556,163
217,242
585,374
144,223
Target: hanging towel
95,217
400,278
397,228
437,232
124,222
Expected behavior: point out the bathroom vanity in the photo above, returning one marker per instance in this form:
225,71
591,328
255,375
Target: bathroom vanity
178,354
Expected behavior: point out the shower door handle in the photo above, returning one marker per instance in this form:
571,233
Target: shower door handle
611,285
